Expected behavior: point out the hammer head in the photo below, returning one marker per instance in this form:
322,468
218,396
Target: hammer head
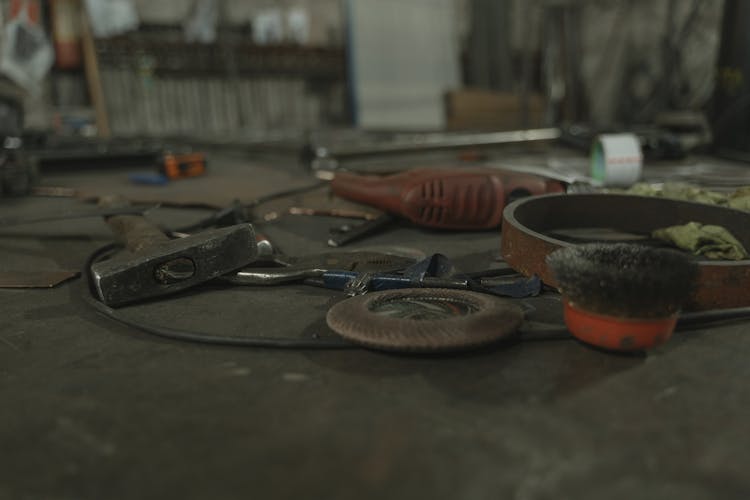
174,265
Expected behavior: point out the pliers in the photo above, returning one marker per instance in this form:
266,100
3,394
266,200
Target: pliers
284,269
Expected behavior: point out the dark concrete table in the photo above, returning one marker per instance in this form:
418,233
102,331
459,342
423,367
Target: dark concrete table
93,409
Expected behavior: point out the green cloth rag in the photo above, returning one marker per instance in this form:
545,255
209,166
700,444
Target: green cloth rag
679,191
712,242
739,199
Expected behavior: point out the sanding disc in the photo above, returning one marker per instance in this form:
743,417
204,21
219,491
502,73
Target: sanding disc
424,319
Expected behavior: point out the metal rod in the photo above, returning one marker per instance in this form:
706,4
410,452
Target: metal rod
437,141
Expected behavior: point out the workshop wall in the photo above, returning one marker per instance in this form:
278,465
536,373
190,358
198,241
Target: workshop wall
639,57
326,25
605,62
404,56
283,90
38,103
261,66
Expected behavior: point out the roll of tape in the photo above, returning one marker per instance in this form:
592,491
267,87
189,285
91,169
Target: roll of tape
616,159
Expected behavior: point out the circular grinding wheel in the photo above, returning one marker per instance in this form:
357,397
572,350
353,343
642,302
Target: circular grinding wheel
424,319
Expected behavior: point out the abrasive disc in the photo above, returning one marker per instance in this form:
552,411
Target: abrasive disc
424,319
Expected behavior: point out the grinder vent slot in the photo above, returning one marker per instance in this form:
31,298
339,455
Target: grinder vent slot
433,211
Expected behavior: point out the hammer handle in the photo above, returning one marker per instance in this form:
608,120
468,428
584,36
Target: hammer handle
136,232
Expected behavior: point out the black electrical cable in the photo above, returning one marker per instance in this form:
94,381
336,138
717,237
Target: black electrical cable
201,337
282,194
700,319
533,331
529,331
237,212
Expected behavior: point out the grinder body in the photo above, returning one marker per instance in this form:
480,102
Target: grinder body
467,199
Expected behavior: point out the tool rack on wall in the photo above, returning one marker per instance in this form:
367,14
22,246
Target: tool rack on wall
156,84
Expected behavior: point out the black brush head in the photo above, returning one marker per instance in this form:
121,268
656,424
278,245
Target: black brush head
624,280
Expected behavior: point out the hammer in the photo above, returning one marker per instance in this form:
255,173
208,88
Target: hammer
155,265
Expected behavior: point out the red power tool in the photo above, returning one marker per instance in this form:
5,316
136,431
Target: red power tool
444,198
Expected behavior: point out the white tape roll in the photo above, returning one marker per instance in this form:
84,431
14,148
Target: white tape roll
616,159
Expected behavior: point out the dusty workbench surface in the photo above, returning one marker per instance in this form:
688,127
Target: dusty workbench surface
94,409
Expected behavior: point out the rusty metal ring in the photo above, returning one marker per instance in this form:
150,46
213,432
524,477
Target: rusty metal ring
525,242
424,319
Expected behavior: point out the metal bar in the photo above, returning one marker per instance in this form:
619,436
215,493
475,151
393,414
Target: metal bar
437,141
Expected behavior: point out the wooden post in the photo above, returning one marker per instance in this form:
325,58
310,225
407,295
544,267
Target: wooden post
93,79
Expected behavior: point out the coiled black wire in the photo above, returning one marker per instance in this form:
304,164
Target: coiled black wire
529,331
191,336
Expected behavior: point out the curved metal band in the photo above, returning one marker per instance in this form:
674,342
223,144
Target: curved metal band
527,222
